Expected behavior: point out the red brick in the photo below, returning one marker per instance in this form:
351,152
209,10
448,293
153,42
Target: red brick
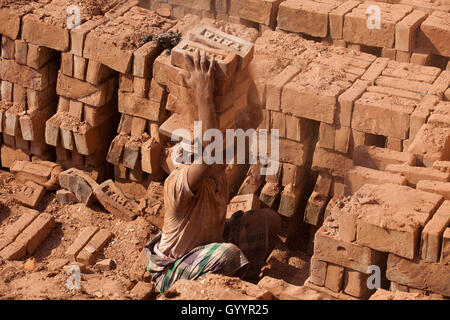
310,17
41,172
415,174
30,194
315,208
144,58
318,272
115,201
11,20
85,92
25,76
79,67
380,158
34,234
97,72
80,183
269,194
8,48
89,253
276,85
336,17
12,231
333,162
290,200
356,177
434,277
7,91
347,100
406,30
383,37
355,284
421,114
433,33
326,136
247,202
87,138
260,11
375,69
38,56
226,62
422,59
141,87
441,84
311,101
381,222
329,248
431,143
78,35
383,115
84,236
402,56
118,60
215,38
445,251
9,155
65,197
335,277
131,104
443,166
45,34
292,174
432,233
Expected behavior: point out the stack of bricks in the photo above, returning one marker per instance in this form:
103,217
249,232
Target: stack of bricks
259,14
135,151
399,207
28,73
180,8
232,52
84,124
410,31
24,236
344,100
397,230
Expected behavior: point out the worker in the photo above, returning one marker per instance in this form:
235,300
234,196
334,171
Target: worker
196,239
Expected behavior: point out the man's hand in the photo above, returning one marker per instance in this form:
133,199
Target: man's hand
201,80
201,83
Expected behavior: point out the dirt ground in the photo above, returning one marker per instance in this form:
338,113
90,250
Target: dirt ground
43,277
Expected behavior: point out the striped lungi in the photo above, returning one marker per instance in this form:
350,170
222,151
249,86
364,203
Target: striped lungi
243,252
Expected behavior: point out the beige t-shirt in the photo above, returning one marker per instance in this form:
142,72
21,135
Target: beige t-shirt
192,220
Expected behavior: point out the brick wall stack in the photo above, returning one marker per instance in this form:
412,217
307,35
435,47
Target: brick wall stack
28,74
261,14
410,31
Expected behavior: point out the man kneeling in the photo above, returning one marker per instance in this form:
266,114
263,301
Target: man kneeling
196,239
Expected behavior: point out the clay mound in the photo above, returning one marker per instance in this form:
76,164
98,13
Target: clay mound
215,287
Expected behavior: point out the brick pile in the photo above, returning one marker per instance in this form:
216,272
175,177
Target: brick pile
28,72
410,31
260,14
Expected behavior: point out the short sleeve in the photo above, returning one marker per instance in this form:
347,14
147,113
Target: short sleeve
177,190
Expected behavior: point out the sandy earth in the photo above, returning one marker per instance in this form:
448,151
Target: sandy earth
42,276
